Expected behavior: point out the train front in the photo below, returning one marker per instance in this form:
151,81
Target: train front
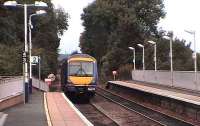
82,75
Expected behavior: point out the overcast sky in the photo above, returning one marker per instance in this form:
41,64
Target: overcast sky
181,14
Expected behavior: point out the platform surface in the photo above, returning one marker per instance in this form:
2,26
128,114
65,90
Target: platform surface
30,114
178,94
62,112
3,117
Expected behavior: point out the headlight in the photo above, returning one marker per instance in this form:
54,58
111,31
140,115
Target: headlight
69,81
93,81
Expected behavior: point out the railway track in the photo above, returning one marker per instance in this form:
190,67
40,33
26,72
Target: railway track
95,116
152,115
120,114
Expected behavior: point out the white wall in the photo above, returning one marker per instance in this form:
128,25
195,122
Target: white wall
180,79
11,88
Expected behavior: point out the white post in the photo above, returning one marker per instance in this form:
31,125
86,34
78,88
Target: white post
39,72
30,53
141,46
134,58
194,57
155,59
133,49
195,62
26,51
170,38
171,61
143,58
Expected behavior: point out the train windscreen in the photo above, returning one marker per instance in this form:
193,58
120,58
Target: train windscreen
81,69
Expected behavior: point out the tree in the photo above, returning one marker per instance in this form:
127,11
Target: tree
45,36
112,26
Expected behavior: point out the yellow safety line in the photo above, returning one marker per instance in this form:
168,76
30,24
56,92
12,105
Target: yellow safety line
47,111
84,119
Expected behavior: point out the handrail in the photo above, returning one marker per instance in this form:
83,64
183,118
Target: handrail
6,79
167,71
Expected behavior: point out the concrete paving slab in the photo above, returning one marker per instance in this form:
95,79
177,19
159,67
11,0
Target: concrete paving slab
3,117
30,114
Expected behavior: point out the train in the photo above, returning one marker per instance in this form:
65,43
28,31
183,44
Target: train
79,75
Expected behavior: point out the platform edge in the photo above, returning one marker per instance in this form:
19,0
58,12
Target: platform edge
47,111
86,121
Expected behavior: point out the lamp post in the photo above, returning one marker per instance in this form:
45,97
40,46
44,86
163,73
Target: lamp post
171,57
143,64
25,63
194,55
155,59
133,49
41,12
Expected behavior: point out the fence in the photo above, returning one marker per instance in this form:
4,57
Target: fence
179,79
40,85
10,87
6,79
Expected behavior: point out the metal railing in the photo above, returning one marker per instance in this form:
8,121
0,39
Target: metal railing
40,85
11,87
7,79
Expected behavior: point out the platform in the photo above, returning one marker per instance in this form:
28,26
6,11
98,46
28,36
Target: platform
30,114
61,112
44,109
3,117
177,94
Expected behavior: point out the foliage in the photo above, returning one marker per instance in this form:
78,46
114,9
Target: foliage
124,72
111,26
45,36
10,59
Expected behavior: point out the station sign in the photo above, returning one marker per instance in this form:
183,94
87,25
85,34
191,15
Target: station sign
48,81
194,55
24,57
34,59
52,77
114,72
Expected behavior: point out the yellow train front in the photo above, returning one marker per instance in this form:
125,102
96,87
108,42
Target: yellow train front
79,75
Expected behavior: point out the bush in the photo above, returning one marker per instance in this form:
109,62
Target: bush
124,72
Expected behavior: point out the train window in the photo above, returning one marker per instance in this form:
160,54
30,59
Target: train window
88,67
81,69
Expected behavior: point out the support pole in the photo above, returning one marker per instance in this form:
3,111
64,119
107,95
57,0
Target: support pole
195,62
30,53
171,61
134,57
26,52
155,57
39,72
143,58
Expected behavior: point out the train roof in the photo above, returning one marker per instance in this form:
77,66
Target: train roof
81,56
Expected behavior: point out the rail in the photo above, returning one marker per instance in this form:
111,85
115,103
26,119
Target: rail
95,115
40,85
7,79
149,113
10,87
